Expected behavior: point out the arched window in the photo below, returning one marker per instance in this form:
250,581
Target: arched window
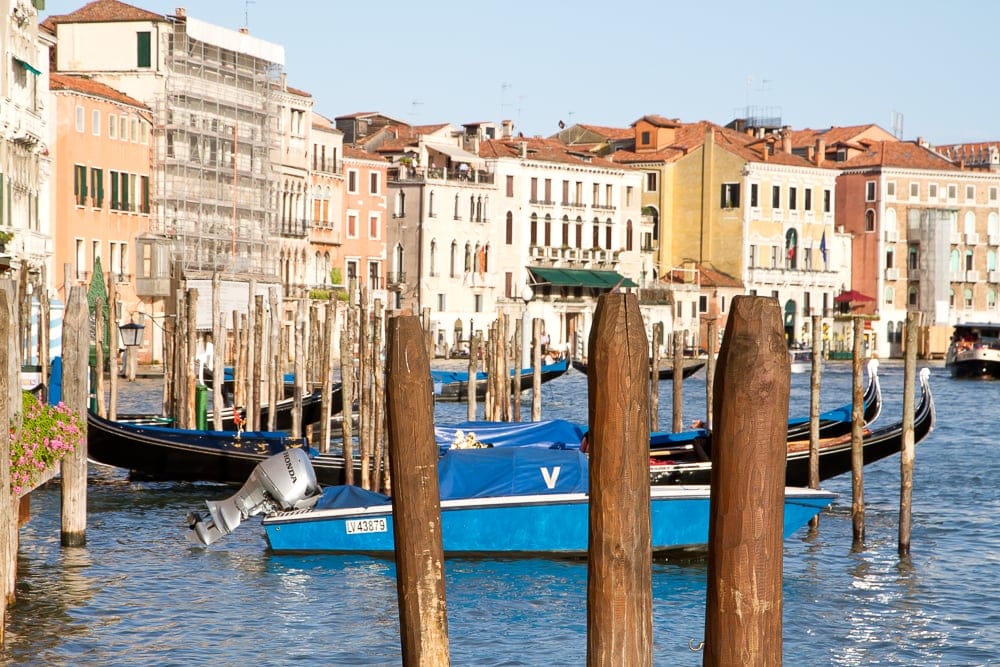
970,224
565,230
548,230
889,224
968,260
533,229
457,215
510,228
453,260
608,226
993,228
955,263
911,296
991,299
597,234
951,297
398,261
991,260
468,257
967,297
579,232
430,205
890,331
888,294
869,220
479,209
433,262
400,204
472,208
628,234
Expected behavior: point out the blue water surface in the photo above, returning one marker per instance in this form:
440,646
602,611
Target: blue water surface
139,593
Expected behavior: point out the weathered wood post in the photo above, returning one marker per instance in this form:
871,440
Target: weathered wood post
116,356
301,313
536,368
76,341
8,504
857,436
347,392
380,479
276,376
619,576
99,328
44,330
907,452
473,367
518,356
191,362
743,604
654,378
326,388
416,501
710,373
814,391
678,411
218,352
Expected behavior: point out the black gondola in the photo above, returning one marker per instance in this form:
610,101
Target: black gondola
453,385
689,368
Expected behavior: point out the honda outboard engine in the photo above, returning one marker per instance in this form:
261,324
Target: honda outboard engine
284,481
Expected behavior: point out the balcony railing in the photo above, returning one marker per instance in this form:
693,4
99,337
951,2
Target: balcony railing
395,278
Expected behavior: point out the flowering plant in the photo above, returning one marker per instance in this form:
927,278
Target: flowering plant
47,433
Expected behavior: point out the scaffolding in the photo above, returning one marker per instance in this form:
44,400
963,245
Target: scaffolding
216,126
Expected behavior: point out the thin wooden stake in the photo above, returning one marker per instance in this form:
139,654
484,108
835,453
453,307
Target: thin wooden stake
76,341
857,437
678,411
907,452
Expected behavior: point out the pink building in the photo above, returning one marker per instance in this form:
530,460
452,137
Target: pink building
365,211
101,185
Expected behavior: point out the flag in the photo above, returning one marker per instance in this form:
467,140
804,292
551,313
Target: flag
822,247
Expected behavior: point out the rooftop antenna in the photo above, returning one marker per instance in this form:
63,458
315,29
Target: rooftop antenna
413,107
504,86
897,124
246,12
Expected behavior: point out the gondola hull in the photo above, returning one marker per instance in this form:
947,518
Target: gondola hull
689,368
454,386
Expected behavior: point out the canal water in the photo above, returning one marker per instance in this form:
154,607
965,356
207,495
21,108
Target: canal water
139,594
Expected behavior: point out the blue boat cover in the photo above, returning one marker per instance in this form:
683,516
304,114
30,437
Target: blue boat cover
341,497
512,471
552,433
451,377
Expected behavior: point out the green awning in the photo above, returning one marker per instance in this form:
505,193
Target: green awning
28,66
580,278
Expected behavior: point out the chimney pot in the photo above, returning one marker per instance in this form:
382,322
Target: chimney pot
181,12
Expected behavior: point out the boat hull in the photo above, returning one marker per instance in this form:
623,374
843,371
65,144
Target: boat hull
688,368
554,525
454,387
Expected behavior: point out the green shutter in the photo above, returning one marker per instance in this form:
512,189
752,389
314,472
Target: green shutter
114,190
143,56
100,188
124,191
145,194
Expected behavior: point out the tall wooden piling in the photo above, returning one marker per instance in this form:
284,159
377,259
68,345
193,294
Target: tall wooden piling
380,478
8,503
98,370
710,374
347,392
654,378
475,345
192,357
678,407
276,376
116,356
218,352
619,575
75,344
518,356
326,378
753,377
301,314
536,368
907,451
416,504
814,404
857,436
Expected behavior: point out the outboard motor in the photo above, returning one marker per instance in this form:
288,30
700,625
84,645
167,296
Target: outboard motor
284,481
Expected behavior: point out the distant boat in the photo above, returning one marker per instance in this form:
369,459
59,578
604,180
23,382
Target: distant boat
494,502
688,368
453,385
800,359
974,351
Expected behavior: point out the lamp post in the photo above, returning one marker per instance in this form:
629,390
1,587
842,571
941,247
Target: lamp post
131,335
526,295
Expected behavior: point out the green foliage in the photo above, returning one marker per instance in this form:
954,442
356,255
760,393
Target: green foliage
336,276
46,435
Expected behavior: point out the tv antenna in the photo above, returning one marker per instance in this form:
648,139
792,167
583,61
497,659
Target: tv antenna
246,12
897,124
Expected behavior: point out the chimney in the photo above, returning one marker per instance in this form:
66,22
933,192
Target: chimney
786,140
244,31
765,150
181,12
820,151
506,129
524,150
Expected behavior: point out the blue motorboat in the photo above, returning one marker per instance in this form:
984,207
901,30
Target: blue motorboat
506,501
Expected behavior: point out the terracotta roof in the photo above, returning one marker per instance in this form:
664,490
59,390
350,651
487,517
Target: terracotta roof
807,137
659,121
545,150
88,86
610,132
711,277
358,154
975,152
907,154
105,11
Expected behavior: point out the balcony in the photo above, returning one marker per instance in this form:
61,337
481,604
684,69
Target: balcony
395,280
993,276
891,236
972,276
972,239
892,274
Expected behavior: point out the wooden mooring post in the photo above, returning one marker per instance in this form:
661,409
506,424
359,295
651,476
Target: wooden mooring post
744,601
416,502
654,378
857,436
8,506
678,406
913,320
710,374
76,359
814,404
619,575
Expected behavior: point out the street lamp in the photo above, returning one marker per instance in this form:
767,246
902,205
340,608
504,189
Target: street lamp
131,334
526,295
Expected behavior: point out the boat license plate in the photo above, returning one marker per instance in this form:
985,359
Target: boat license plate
356,526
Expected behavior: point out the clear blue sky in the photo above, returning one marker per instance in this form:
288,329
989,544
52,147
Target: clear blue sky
818,63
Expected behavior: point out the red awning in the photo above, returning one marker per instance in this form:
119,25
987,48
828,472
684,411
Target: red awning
851,295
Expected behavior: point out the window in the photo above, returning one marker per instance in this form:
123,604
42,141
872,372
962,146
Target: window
730,195
510,186
628,195
533,230
95,122
143,49
534,189
97,187
134,136
870,191
79,119
913,256
509,231
888,296
80,184
123,128
952,192
793,198
869,220
890,255
827,200
644,138
911,296
967,297
890,189
753,196
432,263
970,193
373,226
993,193
702,303
775,196
352,181
144,192
968,260
932,191
650,182
114,190
914,193
112,125
809,199
352,225
442,300
791,249
374,183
